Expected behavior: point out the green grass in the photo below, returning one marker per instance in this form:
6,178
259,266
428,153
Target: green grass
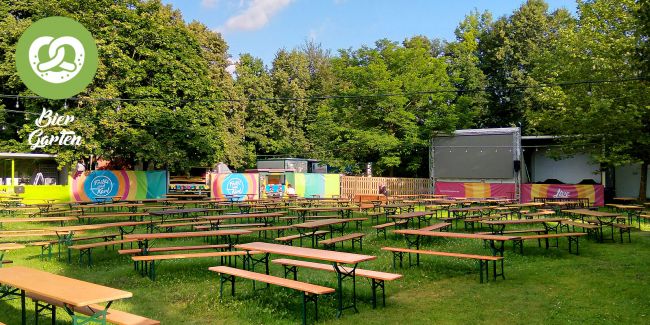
608,283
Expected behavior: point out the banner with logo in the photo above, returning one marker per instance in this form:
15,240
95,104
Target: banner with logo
595,193
475,190
245,186
126,185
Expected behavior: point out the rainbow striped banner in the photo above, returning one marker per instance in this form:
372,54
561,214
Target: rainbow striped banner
127,185
243,186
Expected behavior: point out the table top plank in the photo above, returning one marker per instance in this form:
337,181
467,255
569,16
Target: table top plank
454,235
320,223
311,253
227,232
67,290
522,221
10,246
592,213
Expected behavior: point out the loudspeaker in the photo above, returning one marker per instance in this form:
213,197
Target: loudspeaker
517,165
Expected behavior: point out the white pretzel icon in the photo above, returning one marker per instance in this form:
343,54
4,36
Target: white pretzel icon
56,52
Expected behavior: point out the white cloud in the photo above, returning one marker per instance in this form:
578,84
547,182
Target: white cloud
256,15
209,4
232,66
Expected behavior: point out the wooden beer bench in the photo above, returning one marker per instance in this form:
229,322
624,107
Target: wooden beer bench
355,238
149,261
398,253
378,278
310,292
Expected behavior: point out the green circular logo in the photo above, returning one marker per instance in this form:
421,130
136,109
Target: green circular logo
56,57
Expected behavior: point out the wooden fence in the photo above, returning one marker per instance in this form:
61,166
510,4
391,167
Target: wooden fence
351,185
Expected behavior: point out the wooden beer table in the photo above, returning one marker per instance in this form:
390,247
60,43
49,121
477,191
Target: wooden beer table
490,238
604,218
336,258
144,240
310,228
411,216
72,293
172,212
498,226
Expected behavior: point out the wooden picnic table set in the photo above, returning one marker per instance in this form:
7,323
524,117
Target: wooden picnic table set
310,229
83,301
411,217
337,261
607,219
632,211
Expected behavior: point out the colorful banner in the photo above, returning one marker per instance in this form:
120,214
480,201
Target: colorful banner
310,184
243,186
127,185
475,190
595,193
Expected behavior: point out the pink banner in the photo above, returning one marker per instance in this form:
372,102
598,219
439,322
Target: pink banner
450,189
595,193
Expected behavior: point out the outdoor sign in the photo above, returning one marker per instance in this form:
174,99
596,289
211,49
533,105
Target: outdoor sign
127,185
475,190
38,138
595,193
56,57
241,186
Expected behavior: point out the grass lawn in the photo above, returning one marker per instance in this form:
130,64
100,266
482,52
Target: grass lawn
608,283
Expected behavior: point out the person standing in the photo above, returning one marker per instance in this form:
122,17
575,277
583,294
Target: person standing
290,190
80,169
383,189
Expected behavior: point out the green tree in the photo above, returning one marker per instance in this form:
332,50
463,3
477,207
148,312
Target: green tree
146,51
464,70
610,118
390,131
506,59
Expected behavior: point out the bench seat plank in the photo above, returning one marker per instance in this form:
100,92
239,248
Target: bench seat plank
438,253
102,244
147,258
341,238
112,316
384,276
172,249
292,284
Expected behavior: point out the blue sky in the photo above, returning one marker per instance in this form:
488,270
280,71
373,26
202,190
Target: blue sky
261,27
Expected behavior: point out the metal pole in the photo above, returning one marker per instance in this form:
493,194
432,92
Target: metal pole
13,171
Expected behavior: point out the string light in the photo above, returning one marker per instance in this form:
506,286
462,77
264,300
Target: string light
324,97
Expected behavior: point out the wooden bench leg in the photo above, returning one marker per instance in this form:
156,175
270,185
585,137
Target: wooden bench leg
520,244
397,255
378,284
40,307
223,278
576,240
483,265
289,269
358,240
305,299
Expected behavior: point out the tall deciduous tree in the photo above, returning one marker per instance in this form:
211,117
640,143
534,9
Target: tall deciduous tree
613,118
146,51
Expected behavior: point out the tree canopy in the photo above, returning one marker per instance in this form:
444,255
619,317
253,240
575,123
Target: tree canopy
582,76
